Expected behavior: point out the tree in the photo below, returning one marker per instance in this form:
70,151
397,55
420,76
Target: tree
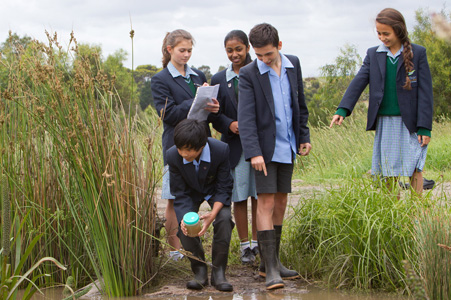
335,78
9,50
439,58
121,78
89,54
206,70
14,44
143,75
221,68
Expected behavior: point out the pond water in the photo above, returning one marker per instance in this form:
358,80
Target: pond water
309,294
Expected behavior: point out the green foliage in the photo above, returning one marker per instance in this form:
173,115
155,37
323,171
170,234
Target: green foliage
12,274
324,95
221,68
439,58
80,167
433,249
206,70
341,152
122,80
143,74
353,236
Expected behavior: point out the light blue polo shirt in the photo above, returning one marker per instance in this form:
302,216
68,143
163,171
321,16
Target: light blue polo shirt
285,149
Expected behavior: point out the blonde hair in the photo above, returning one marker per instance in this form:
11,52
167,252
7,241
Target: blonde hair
172,39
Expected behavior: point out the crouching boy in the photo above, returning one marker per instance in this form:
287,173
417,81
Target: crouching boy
199,171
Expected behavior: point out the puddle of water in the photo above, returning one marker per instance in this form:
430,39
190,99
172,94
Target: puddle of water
310,294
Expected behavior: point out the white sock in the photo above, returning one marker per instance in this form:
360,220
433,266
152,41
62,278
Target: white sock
244,245
254,244
175,255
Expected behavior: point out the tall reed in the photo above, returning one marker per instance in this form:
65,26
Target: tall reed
432,248
82,167
353,236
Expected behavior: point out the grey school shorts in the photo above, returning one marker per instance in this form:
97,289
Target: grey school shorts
278,179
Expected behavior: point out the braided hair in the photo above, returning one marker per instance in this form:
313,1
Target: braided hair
172,39
393,18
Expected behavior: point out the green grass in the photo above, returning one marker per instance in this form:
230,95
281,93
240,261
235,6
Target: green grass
353,236
344,152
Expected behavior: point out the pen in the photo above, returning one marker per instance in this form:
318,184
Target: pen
196,84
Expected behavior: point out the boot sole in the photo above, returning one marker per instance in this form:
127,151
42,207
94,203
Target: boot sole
196,285
262,274
275,286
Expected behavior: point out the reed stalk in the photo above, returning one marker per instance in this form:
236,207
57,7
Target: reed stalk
81,167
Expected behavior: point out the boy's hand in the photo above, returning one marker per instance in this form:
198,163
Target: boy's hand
336,119
184,230
304,149
208,218
258,163
233,127
213,107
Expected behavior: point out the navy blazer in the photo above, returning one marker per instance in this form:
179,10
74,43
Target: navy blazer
227,114
256,113
214,179
173,99
415,104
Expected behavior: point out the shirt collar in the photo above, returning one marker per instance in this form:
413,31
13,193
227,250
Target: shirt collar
205,156
263,68
175,73
230,74
383,48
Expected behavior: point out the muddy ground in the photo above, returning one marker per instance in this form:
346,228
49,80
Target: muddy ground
245,279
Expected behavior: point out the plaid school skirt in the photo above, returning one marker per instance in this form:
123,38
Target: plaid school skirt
396,151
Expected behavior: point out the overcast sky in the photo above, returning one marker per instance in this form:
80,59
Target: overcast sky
313,30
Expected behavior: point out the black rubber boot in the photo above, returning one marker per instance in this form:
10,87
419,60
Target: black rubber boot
220,255
267,245
285,273
198,265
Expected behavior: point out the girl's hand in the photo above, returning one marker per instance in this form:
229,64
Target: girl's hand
213,107
233,127
336,119
424,140
184,230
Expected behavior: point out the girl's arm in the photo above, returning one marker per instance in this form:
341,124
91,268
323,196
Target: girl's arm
353,92
425,96
168,109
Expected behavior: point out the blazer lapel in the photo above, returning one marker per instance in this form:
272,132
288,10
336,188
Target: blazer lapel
293,85
181,81
400,63
202,174
231,91
266,87
190,171
382,62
